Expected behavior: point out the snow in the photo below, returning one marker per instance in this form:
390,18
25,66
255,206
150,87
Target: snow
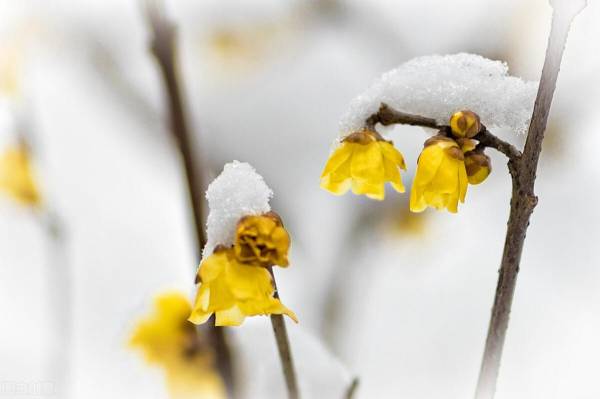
437,86
238,191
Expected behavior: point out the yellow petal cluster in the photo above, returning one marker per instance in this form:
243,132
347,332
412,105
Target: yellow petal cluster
441,178
262,240
16,176
233,290
363,162
167,339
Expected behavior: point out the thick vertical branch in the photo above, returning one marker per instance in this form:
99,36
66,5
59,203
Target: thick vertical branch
284,348
163,48
522,203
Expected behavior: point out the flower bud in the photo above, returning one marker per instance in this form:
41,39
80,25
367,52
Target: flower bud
465,124
478,167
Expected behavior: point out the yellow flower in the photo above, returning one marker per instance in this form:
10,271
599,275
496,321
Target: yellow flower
262,240
465,124
364,162
441,178
233,290
16,178
478,165
168,339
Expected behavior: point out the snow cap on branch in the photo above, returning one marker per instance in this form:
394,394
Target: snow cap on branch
238,191
437,86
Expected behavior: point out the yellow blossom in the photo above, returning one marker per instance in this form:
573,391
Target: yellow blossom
16,177
441,178
363,162
168,339
262,240
478,167
233,290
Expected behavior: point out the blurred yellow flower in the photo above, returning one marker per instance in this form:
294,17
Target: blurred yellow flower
441,178
364,162
233,290
9,70
167,339
262,240
16,177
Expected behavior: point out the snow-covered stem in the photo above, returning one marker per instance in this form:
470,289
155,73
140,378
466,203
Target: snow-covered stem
386,115
284,348
523,201
163,48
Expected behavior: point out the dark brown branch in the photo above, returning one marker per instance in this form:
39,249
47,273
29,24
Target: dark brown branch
284,348
522,203
163,48
389,116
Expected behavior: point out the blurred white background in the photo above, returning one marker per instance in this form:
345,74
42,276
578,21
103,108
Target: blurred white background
400,300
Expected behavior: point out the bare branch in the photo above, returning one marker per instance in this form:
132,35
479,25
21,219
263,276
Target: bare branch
523,201
284,348
389,116
163,47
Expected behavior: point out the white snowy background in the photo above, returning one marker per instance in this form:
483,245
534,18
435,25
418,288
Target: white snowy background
401,301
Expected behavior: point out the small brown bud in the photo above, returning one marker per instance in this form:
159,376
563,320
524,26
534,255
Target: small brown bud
465,124
478,166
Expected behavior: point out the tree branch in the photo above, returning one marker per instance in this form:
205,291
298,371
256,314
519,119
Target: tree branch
163,49
523,201
389,116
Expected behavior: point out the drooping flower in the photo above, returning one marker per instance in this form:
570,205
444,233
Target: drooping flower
262,240
441,178
478,166
233,290
16,176
363,162
168,339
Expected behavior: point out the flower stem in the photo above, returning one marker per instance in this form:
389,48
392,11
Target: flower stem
163,47
352,388
523,201
284,348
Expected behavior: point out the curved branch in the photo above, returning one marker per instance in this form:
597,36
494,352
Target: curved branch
386,115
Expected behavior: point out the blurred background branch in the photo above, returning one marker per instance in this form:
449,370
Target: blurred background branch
164,49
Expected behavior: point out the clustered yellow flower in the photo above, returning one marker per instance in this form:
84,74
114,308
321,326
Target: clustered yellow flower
167,339
448,162
16,176
364,162
236,282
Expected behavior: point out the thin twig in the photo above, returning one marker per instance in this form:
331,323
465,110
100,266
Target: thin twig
522,203
163,48
386,115
284,348
352,388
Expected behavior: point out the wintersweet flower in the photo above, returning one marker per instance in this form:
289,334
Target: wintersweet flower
16,176
233,290
363,162
262,240
441,178
167,339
